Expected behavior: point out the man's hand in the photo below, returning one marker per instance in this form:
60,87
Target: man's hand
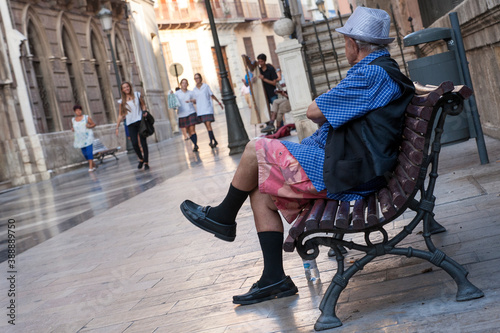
261,77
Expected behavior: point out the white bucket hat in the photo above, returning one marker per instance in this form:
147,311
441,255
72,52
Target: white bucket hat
368,25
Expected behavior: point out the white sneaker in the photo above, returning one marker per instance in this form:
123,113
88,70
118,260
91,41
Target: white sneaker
91,170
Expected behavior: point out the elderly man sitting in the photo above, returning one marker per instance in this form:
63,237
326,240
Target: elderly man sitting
360,122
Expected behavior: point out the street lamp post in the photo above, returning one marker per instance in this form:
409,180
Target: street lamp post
237,136
106,18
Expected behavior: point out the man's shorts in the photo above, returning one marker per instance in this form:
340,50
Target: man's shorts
282,177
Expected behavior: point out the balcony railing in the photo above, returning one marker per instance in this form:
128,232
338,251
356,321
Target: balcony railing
235,10
173,12
273,11
190,12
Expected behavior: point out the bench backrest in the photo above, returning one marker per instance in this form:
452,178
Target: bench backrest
419,148
98,146
425,112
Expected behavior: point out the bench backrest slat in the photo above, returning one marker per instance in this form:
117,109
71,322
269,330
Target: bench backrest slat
411,169
98,145
417,125
406,182
429,99
423,112
444,87
417,140
415,156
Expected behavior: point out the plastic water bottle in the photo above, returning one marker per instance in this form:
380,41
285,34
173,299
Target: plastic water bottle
311,270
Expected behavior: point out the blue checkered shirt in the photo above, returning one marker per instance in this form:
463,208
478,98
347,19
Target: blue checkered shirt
365,88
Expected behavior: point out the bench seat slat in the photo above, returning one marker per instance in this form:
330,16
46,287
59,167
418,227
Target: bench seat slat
312,221
289,244
371,213
386,206
358,215
299,225
398,195
342,220
329,214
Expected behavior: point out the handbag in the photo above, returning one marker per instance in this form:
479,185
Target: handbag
146,127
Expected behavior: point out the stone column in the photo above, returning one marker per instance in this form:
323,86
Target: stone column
294,72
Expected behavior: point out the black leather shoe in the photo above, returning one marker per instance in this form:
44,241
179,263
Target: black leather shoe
256,294
197,215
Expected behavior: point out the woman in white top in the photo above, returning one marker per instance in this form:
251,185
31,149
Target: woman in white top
132,111
84,137
187,112
204,107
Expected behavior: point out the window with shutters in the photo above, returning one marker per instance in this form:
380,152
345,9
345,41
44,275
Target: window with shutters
194,56
247,41
272,50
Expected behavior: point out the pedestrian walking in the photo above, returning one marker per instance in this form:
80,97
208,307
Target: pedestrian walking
187,113
204,107
84,136
132,109
173,103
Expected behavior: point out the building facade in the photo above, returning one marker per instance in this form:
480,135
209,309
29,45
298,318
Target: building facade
60,56
243,27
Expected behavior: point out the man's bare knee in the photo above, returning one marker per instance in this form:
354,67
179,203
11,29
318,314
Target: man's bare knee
250,148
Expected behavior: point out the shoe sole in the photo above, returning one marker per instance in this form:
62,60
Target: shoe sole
282,294
220,236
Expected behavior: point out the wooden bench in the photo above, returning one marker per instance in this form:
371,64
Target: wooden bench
325,222
101,151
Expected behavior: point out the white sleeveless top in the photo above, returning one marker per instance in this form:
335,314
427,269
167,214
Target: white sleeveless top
83,136
134,113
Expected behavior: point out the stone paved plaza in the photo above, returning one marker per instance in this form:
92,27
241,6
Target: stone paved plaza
137,265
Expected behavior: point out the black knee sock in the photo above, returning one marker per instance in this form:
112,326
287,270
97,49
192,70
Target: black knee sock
194,138
228,209
271,243
211,136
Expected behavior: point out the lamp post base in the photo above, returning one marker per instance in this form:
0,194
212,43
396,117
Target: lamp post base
236,134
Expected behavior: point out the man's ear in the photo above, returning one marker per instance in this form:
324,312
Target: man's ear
354,44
